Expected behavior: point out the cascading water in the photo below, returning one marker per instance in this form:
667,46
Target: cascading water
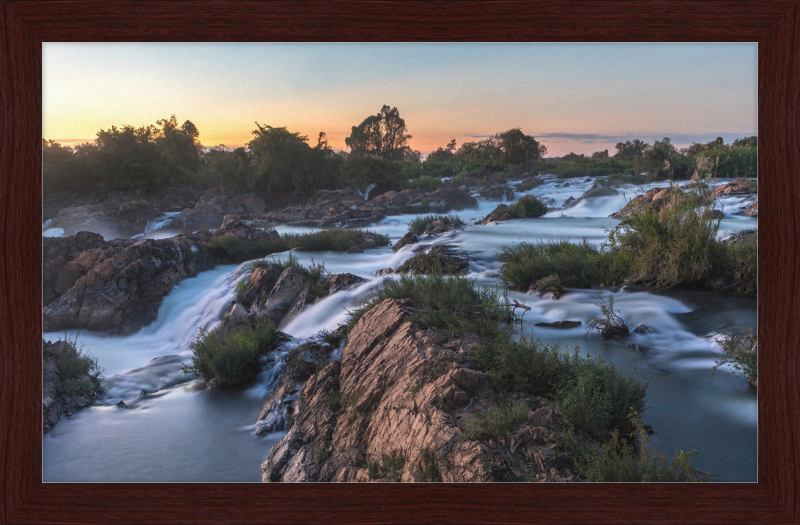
179,432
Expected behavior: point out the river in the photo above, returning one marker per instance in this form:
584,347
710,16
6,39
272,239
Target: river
177,431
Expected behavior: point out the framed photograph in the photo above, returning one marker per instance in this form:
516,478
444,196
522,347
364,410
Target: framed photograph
286,227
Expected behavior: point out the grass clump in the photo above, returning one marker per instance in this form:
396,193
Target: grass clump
608,323
736,266
496,422
390,467
592,394
740,352
233,358
621,460
675,245
334,401
429,468
232,249
450,302
419,224
74,363
528,206
578,265
433,263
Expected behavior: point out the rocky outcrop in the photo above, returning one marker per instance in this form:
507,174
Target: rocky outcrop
407,239
594,191
752,210
441,258
212,208
62,397
656,199
342,207
112,285
397,407
735,187
528,183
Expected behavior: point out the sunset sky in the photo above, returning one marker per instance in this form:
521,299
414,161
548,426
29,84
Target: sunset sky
571,97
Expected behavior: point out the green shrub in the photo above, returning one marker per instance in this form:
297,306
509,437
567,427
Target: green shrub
231,248
425,183
496,422
741,353
676,244
74,387
592,394
431,263
234,358
418,224
453,303
529,206
737,265
428,467
608,323
334,401
578,265
73,362
618,460
390,467
241,286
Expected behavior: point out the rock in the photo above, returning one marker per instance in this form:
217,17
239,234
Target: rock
569,201
528,183
596,191
735,187
639,349
560,324
752,210
385,399
213,206
498,192
409,238
245,230
118,284
439,258
448,198
342,281
236,318
122,404
506,217
742,236
282,297
260,284
642,329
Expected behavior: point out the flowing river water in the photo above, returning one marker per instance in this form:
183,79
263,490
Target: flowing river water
178,431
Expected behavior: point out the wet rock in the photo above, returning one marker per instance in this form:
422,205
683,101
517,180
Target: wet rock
639,349
742,236
343,281
260,284
211,209
528,183
569,201
560,324
399,393
122,404
408,238
642,329
735,187
282,297
752,210
447,198
118,285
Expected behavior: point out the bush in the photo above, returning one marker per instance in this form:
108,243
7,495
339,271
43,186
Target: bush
609,323
428,467
418,224
390,467
676,244
425,183
736,265
741,353
617,460
74,363
580,265
432,263
592,394
496,422
452,303
529,206
241,286
230,248
233,358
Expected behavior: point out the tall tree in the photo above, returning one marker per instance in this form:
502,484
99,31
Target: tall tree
518,147
383,135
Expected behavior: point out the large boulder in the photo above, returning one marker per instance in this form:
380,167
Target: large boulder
283,295
735,187
594,191
752,210
402,394
112,285
449,198
213,206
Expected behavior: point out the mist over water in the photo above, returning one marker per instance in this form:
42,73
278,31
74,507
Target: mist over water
180,432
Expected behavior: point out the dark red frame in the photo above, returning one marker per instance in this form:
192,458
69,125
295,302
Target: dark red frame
775,25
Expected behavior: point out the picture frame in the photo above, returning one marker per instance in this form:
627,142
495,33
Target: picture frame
775,25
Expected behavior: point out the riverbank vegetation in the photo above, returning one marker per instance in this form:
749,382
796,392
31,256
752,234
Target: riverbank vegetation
673,245
739,352
232,358
233,249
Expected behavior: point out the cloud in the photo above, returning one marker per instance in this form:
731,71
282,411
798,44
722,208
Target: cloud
677,138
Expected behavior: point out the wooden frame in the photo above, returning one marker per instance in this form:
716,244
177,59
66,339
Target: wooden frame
774,24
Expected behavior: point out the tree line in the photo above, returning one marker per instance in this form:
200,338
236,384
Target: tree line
166,155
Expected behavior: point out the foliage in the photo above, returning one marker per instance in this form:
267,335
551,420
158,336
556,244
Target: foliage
740,352
334,401
529,206
676,244
498,192
361,171
496,422
73,362
453,303
581,166
383,135
419,223
241,286
736,263
592,394
618,460
609,323
428,467
231,248
286,163
232,358
425,183
390,467
430,263
579,265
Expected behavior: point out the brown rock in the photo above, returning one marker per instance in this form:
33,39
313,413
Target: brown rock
282,297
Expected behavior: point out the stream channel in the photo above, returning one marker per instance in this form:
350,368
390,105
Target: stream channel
180,432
